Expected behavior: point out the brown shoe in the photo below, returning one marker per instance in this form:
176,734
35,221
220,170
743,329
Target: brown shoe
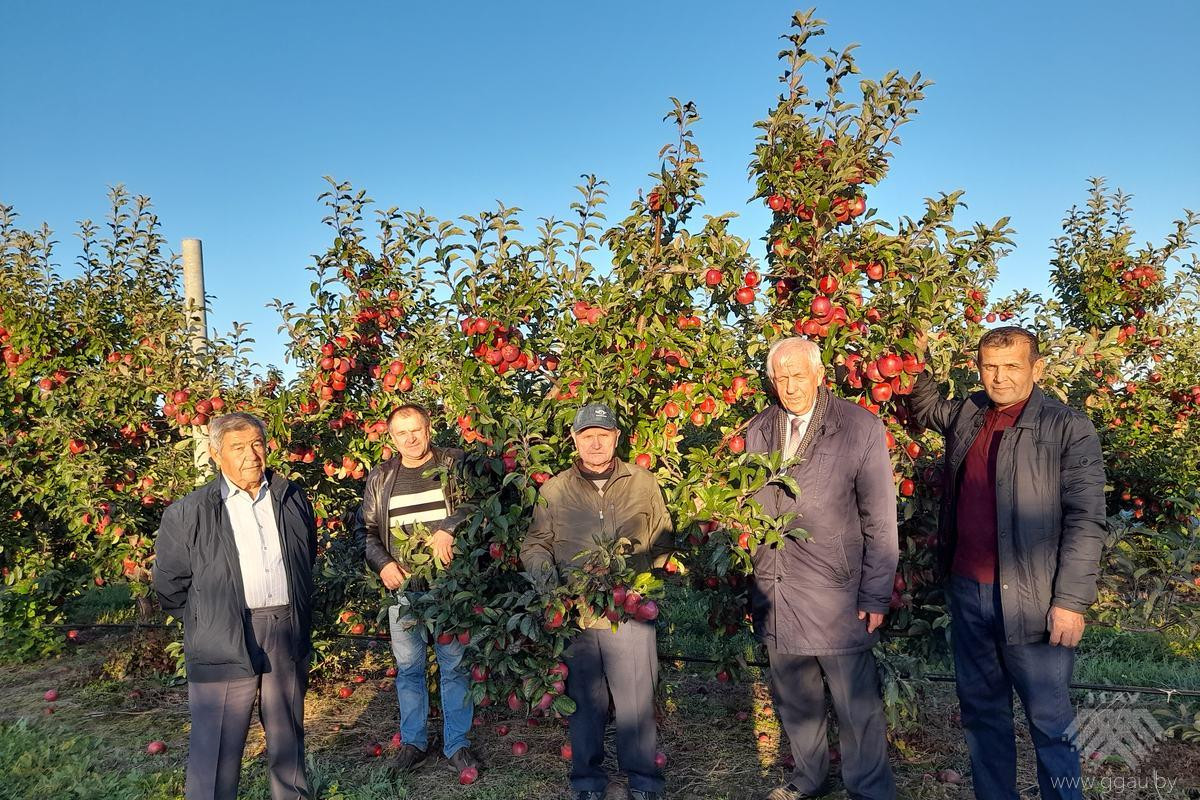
409,758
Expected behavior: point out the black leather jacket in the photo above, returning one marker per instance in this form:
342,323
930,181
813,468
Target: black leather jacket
371,520
1050,513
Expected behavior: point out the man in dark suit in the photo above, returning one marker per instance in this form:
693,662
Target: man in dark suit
818,602
233,561
1021,527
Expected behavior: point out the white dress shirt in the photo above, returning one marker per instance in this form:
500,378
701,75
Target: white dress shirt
260,551
788,445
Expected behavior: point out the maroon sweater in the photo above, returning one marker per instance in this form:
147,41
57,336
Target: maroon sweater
975,547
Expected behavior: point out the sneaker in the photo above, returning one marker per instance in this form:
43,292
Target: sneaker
583,794
409,758
638,794
462,759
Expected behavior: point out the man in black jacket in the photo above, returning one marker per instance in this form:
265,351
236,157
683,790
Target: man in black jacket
404,496
1022,524
818,602
233,561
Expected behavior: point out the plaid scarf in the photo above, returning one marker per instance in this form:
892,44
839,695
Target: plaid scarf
820,406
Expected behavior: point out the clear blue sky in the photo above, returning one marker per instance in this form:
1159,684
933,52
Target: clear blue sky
228,114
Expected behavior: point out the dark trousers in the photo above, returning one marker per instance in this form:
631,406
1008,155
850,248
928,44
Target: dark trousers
987,670
862,730
625,665
220,714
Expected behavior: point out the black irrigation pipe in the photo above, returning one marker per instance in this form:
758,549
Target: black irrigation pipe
938,677
932,677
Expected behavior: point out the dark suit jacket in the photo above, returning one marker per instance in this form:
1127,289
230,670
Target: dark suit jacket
807,594
198,579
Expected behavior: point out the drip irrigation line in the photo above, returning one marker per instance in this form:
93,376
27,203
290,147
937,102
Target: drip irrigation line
932,677
938,677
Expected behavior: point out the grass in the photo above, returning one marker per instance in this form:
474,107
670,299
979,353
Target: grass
109,604
1105,656
39,760
1138,659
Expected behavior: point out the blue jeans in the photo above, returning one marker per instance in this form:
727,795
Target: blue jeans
410,648
987,670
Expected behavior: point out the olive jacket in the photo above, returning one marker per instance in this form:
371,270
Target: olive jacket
571,516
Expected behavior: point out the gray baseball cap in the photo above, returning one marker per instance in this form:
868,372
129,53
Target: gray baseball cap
594,415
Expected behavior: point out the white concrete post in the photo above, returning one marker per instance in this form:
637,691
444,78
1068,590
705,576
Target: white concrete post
195,309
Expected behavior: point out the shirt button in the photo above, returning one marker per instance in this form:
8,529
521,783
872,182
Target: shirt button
1005,586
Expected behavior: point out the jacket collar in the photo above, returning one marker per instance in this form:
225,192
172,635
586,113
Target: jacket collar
826,418
1033,409
276,483
620,470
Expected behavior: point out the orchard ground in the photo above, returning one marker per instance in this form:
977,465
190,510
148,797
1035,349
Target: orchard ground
116,693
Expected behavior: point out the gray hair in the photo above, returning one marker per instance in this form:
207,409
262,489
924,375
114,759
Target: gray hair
233,421
808,347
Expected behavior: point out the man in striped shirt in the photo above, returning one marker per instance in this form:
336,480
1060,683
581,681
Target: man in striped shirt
411,493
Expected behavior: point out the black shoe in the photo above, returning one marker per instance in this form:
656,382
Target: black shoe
462,759
409,758
583,794
638,794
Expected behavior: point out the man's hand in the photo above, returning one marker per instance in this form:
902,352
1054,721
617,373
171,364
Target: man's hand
1066,627
393,576
921,341
544,578
873,620
442,545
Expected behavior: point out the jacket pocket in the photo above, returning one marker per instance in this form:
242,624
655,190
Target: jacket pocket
636,528
841,562
1040,557
819,562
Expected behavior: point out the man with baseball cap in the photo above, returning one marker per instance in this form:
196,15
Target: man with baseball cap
603,498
